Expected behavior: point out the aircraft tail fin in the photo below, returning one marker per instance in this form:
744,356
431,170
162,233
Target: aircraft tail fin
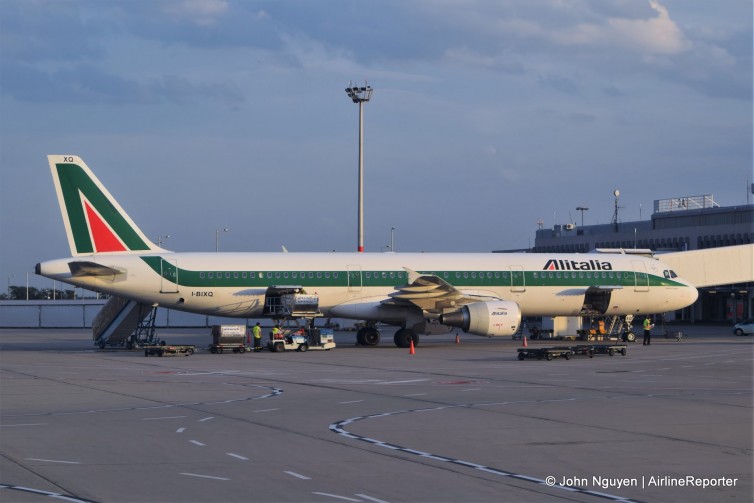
94,221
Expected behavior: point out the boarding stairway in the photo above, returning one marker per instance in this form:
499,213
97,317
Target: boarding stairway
123,322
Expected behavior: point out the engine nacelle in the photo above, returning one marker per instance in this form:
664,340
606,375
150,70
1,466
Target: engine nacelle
496,318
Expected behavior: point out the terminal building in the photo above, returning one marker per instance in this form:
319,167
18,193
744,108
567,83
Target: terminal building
679,224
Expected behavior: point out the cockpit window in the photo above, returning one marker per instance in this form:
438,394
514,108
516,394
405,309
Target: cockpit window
670,274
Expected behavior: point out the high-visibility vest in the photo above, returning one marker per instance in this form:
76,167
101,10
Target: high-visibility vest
257,331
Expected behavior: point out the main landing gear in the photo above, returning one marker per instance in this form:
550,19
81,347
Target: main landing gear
403,338
370,336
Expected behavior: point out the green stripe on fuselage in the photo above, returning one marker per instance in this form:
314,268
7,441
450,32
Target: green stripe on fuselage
389,278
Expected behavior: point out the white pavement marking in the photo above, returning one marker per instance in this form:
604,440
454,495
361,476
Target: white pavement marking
402,382
180,430
264,410
298,475
204,476
205,419
27,424
196,442
344,498
237,456
54,461
352,401
160,418
364,496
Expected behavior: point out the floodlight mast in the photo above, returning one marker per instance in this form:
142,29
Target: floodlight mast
360,95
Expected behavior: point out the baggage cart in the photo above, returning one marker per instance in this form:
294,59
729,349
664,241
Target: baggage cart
611,349
546,353
229,338
169,350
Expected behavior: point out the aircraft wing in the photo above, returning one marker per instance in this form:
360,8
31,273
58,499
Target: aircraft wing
431,293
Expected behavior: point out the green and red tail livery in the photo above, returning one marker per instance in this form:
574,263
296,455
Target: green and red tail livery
94,221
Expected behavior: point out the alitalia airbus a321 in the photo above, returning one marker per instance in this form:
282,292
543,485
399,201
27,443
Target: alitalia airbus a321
484,294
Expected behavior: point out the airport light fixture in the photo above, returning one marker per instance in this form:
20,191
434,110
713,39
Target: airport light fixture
582,209
616,193
217,237
392,239
360,95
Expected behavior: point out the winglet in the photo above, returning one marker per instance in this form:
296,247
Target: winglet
94,221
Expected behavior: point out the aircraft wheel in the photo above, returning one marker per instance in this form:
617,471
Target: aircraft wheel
368,336
371,336
630,337
403,338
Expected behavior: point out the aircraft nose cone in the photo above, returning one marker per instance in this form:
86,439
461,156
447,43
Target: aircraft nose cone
693,294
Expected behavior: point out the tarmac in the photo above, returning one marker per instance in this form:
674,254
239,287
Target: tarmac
464,422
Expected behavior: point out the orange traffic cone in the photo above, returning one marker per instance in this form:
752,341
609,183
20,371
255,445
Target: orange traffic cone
525,344
412,351
458,339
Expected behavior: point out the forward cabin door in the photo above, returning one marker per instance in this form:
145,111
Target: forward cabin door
642,278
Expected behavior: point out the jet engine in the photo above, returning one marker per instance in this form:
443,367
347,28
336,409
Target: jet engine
496,318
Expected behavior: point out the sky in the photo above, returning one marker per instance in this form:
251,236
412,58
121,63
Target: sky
486,118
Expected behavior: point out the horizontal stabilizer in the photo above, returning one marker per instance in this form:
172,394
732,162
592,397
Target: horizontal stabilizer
79,269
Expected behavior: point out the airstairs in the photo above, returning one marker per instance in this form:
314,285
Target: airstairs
123,322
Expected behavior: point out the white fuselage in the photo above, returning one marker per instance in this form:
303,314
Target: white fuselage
353,285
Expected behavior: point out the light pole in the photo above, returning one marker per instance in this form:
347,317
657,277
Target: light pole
360,95
392,239
616,193
217,237
9,277
582,209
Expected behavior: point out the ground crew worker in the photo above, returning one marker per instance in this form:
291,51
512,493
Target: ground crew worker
256,331
647,334
276,333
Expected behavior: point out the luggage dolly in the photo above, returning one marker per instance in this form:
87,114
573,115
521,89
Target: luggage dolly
546,353
611,349
163,349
